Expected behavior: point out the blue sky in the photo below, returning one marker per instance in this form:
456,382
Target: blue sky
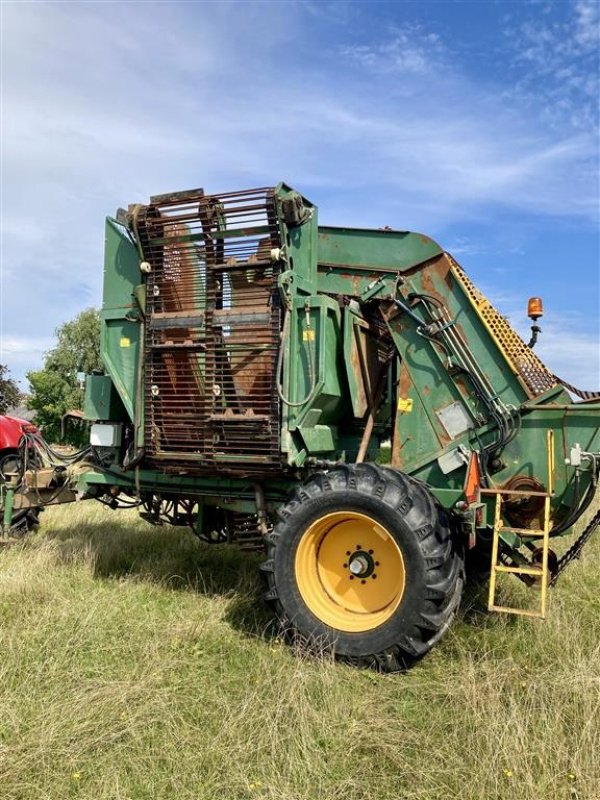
473,122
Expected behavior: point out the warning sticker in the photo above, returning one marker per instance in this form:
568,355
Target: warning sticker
405,405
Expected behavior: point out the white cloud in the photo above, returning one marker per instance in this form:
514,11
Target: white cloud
571,353
587,24
409,49
19,345
22,353
557,64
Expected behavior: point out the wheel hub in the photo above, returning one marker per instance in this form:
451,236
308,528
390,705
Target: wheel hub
361,564
350,571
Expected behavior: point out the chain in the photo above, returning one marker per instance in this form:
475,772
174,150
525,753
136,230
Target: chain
575,550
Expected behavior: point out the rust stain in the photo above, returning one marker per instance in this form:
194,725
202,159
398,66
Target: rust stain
404,386
462,386
446,272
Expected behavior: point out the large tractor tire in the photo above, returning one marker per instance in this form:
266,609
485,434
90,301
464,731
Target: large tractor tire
363,562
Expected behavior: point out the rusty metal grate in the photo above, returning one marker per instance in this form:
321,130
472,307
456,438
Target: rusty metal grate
526,365
212,332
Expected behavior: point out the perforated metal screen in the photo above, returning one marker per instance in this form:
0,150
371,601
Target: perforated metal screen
524,361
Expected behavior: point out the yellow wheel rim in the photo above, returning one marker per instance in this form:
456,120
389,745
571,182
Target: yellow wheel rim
350,571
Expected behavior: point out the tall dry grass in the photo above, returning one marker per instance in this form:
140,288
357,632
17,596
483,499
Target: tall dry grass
137,663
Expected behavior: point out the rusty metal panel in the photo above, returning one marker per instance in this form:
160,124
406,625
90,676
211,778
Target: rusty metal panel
212,332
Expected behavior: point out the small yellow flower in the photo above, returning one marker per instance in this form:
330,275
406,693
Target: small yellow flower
507,773
571,776
123,715
76,776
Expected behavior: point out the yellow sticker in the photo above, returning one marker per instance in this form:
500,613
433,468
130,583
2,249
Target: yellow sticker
405,405
124,341
308,335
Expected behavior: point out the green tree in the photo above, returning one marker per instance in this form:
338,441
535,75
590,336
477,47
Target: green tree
10,394
57,388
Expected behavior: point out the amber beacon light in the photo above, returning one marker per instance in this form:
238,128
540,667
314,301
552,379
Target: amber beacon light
535,308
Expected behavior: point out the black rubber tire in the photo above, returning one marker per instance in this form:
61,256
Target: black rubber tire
25,521
432,557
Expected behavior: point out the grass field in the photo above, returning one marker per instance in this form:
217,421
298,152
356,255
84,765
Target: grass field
138,663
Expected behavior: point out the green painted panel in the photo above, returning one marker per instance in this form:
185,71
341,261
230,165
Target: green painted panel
299,240
120,351
102,401
318,439
121,266
374,249
120,333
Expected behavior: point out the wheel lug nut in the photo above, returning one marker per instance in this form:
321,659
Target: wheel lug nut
373,576
345,566
371,552
377,563
363,581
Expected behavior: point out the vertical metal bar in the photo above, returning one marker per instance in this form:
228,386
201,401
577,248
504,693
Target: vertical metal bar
550,448
545,544
374,400
9,502
546,539
495,543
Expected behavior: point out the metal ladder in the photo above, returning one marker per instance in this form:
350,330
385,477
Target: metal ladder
541,572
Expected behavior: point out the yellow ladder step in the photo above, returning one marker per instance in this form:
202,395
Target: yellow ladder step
526,531
521,612
515,492
519,570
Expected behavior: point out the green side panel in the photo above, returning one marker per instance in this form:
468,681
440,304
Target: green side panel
425,390
120,352
526,454
373,249
315,384
420,434
121,266
572,424
299,240
319,439
102,402
120,330
356,282
316,360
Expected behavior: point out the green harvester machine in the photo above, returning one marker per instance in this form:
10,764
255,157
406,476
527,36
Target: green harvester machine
257,369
